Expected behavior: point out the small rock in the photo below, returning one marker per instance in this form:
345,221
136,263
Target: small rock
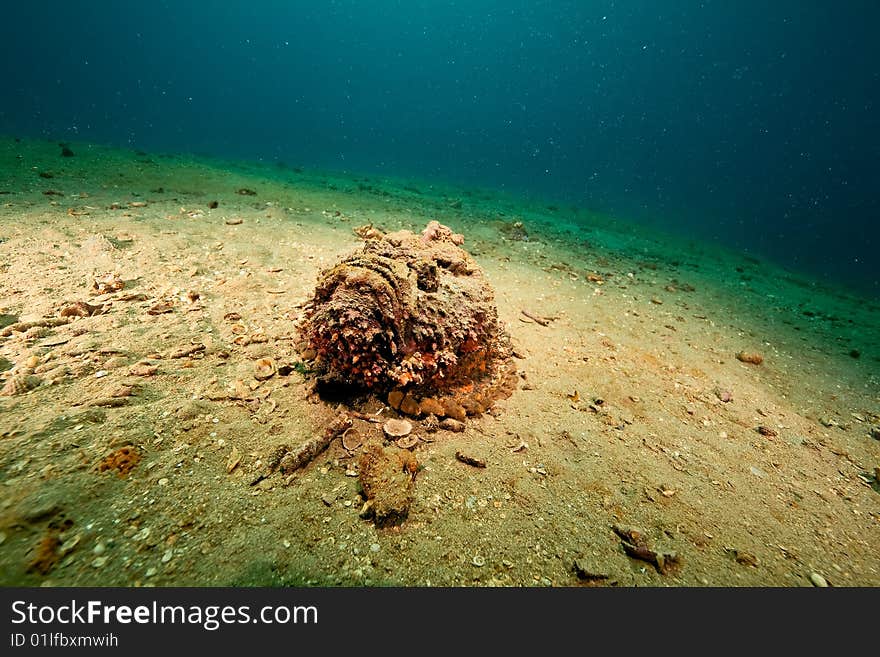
875,433
395,397
169,553
745,558
479,560
99,562
470,460
192,410
409,406
724,395
431,406
450,424
750,357
375,547
20,384
818,581
454,410
328,499
233,461
114,362
767,431
586,571
35,508
100,374
151,571
143,368
99,549
163,481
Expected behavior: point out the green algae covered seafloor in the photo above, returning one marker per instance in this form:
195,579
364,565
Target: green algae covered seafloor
136,435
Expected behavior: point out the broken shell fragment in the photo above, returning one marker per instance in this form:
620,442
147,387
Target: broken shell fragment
352,439
397,428
408,442
264,369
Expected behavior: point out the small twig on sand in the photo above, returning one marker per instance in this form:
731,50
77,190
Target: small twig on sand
305,454
543,321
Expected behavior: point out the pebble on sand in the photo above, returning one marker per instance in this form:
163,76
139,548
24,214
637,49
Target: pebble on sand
450,424
724,395
818,581
750,357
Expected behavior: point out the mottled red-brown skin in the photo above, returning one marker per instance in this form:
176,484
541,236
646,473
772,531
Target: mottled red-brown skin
406,311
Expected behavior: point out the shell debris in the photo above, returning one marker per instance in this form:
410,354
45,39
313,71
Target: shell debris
395,429
264,369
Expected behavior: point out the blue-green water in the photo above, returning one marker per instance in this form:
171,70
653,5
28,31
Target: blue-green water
751,123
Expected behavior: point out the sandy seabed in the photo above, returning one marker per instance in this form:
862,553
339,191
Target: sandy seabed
129,451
